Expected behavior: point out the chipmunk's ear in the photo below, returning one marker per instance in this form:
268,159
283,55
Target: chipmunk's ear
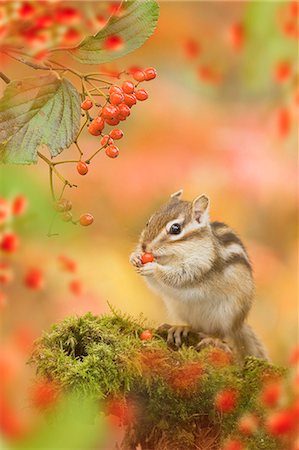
177,194
200,208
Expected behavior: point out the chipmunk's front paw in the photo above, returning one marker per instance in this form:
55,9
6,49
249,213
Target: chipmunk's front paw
213,342
147,270
176,334
135,259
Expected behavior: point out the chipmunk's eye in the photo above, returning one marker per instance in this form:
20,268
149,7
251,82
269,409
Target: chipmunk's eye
175,228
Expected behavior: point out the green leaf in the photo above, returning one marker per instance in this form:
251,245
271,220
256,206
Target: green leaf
37,111
134,27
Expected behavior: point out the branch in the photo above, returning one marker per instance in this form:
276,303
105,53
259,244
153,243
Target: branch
4,78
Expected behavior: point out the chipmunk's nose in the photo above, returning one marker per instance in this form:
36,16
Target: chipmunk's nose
143,247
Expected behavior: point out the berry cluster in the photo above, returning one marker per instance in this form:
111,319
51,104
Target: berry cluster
118,103
64,206
40,26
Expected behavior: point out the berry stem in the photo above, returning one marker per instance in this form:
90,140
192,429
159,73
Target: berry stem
51,183
96,88
66,161
58,174
94,154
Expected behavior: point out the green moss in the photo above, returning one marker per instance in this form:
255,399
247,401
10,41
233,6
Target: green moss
175,390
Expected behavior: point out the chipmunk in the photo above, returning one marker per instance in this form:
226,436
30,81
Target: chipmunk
203,273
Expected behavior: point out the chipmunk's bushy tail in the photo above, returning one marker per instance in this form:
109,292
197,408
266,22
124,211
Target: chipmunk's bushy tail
248,344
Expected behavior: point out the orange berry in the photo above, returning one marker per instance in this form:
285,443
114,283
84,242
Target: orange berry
86,219
150,73
139,75
114,89
141,95
116,98
146,335
128,87
113,121
147,258
130,100
86,104
105,140
112,151
116,134
124,110
110,111
82,168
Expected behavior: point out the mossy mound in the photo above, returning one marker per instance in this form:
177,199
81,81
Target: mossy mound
170,394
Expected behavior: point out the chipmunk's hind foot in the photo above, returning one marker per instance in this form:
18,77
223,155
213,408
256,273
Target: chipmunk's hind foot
213,342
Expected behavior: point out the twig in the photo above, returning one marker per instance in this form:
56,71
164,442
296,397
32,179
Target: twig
58,174
4,78
94,154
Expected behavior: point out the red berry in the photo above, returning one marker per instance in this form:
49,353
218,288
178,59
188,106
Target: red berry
282,71
76,287
281,422
86,219
141,95
34,279
150,73
82,168
26,10
116,134
271,394
45,21
112,151
237,36
233,444
139,75
124,110
128,87
67,16
226,400
113,121
44,394
9,242
19,205
130,100
147,258
116,98
71,35
114,89
113,42
146,335
110,111
86,104
105,140
96,126
248,424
